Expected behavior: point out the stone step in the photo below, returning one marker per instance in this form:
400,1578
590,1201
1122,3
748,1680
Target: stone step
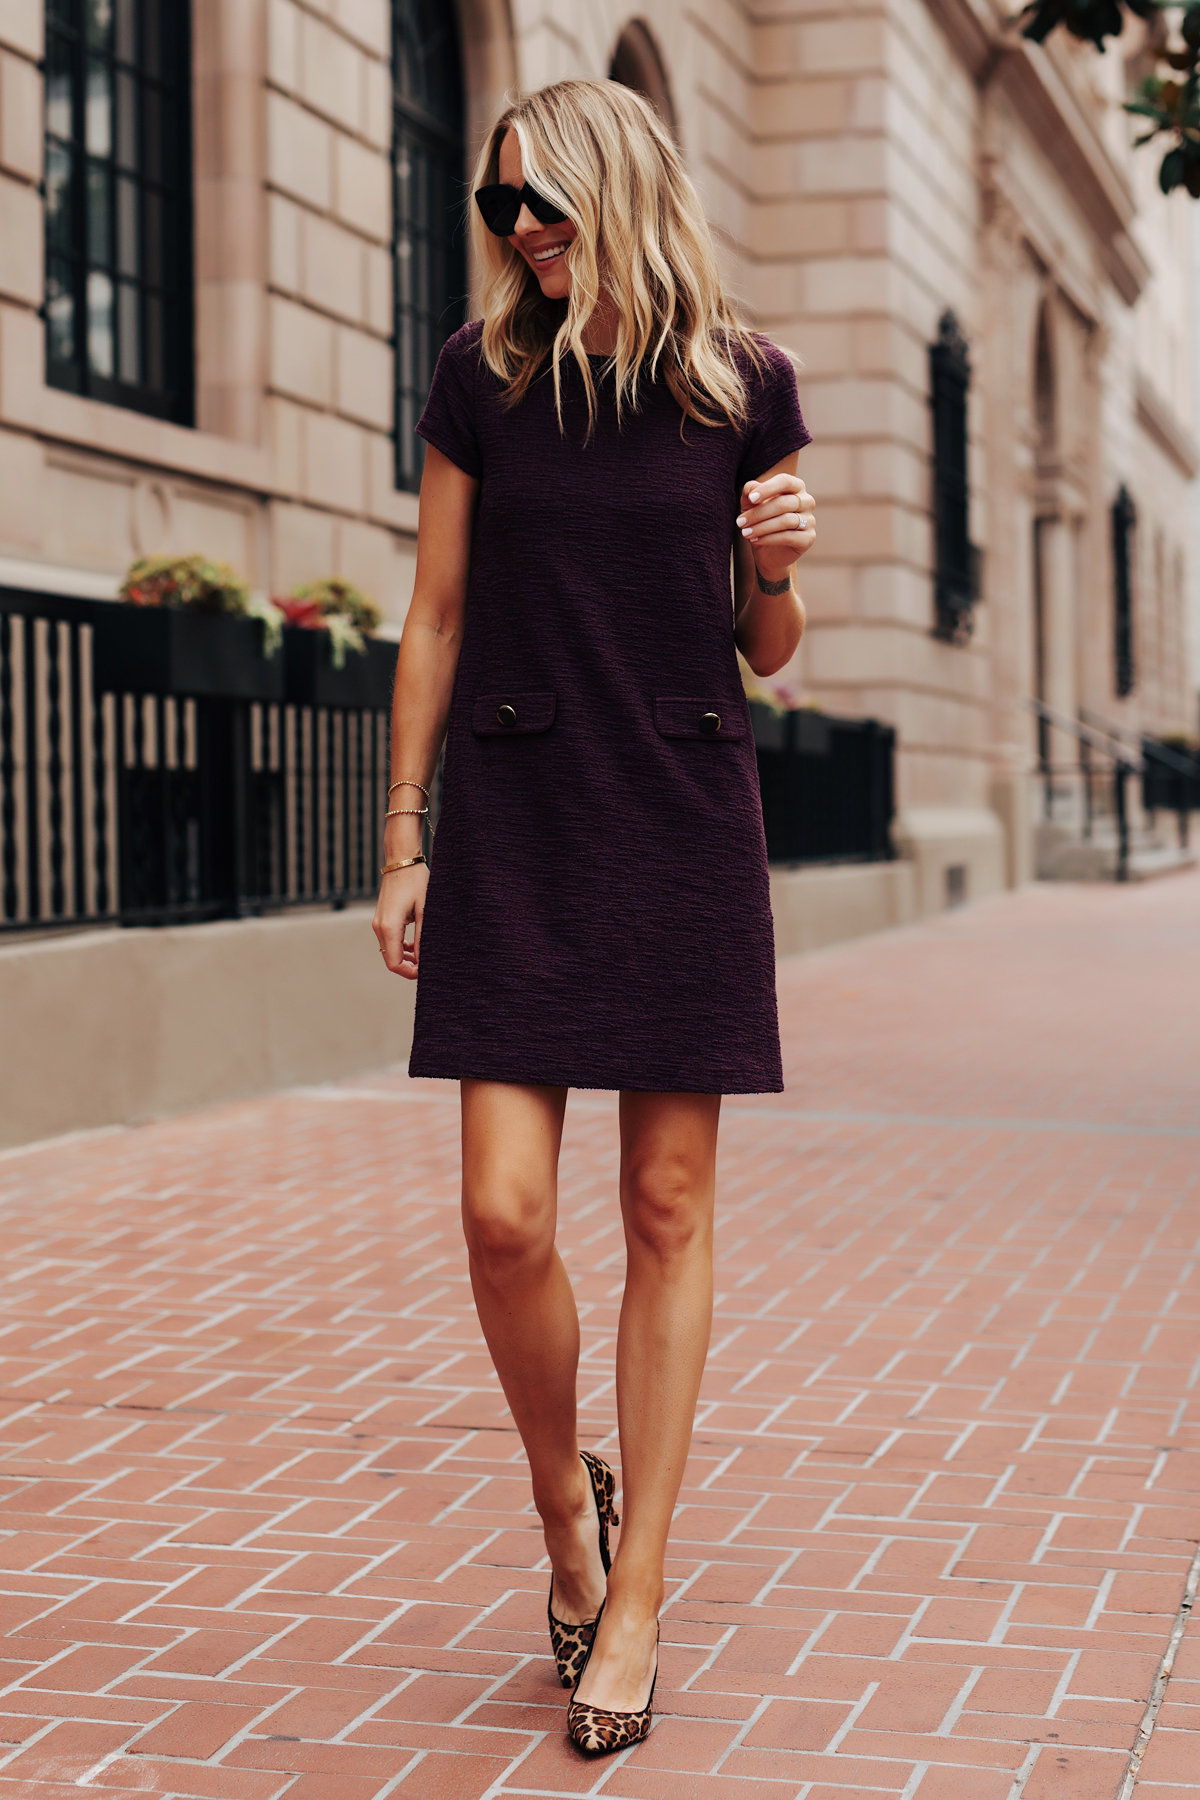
1062,858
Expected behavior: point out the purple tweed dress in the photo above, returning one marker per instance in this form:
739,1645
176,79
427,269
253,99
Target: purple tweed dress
598,913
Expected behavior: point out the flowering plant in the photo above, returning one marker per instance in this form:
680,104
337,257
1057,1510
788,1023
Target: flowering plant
338,607
196,582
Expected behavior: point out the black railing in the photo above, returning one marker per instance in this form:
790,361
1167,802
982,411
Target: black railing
1170,772
156,767
1171,780
1118,763
828,791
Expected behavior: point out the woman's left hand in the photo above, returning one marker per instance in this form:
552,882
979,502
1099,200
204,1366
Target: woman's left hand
778,522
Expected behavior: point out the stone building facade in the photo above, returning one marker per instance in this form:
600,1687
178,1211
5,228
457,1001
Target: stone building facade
869,166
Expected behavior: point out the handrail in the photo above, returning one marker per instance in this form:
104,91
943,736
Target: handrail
1161,752
1106,741
1092,732
1124,764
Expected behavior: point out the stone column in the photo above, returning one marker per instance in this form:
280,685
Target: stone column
1060,661
229,64
1058,614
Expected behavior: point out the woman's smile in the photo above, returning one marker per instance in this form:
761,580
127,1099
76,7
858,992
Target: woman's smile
544,254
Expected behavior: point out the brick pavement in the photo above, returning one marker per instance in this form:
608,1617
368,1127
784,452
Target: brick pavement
265,1528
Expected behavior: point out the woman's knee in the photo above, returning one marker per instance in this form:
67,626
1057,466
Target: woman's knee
667,1205
509,1227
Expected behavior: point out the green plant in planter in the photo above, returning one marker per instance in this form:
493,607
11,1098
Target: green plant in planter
205,586
334,605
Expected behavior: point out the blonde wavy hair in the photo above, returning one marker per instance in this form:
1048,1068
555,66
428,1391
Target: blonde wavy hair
598,152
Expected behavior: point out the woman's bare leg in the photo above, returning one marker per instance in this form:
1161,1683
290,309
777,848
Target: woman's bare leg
511,1138
668,1179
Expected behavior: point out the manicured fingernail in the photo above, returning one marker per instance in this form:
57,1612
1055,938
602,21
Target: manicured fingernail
754,499
747,532
741,519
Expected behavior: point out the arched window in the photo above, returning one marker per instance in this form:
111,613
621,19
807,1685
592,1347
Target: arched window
637,64
428,243
1123,518
1043,386
956,574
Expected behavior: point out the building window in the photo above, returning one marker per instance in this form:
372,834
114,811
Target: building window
429,257
636,63
1124,522
119,203
956,560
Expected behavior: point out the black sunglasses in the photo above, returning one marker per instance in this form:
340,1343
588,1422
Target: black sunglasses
501,207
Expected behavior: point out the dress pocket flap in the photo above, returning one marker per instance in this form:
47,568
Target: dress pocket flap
509,714
719,721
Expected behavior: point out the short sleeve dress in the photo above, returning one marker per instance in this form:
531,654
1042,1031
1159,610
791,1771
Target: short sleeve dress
598,912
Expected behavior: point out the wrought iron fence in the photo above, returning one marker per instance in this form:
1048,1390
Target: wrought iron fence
156,768
169,787
828,791
1170,779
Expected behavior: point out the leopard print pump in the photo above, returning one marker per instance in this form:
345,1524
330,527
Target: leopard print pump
598,1732
571,1643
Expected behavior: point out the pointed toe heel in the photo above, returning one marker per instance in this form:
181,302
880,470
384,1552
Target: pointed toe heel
599,1732
571,1643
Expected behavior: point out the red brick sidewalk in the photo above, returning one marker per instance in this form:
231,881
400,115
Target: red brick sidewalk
267,1526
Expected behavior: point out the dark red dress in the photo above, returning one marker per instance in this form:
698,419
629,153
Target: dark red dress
598,911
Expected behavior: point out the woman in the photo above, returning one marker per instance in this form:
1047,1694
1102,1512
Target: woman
598,913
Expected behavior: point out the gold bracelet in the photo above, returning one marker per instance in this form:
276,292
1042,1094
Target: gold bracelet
405,782
409,862
399,812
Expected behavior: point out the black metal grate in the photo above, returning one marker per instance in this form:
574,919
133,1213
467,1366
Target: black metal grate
956,568
1124,520
126,804
429,259
828,788
119,203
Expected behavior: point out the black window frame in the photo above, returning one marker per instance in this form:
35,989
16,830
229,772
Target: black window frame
119,203
1123,521
429,265
956,559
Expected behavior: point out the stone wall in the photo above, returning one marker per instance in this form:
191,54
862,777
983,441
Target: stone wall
288,473
864,167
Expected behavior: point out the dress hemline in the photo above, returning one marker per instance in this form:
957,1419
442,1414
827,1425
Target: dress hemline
430,1069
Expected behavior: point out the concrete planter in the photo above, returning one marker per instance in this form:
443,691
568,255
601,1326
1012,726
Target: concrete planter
310,678
180,651
826,786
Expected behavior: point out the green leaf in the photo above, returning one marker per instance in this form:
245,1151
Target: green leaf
1173,169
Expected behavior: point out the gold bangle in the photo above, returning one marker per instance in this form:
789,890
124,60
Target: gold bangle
409,862
405,782
399,812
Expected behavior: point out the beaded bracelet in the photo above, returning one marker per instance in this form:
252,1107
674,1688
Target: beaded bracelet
405,782
415,812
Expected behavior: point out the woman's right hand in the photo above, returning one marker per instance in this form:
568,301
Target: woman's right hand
401,902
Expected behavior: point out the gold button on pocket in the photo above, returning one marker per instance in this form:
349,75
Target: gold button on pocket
724,720
517,713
